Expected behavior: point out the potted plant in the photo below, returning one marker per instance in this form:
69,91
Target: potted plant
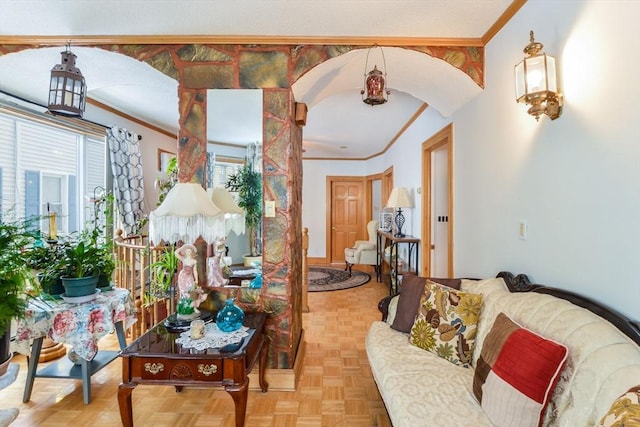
80,264
247,182
14,274
45,261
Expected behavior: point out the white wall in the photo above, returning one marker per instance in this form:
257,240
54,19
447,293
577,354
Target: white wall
575,180
405,155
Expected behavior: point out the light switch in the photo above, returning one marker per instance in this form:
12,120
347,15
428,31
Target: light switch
269,208
522,230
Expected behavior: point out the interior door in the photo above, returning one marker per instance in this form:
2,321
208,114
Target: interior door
440,212
346,215
437,204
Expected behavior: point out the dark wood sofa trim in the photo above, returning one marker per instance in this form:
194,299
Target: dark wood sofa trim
521,283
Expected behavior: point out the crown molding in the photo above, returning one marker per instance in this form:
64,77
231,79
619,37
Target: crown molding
90,40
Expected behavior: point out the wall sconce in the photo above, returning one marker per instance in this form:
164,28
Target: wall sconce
536,82
67,88
375,82
399,198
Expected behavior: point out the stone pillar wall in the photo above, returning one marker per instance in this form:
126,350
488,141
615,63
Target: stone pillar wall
274,69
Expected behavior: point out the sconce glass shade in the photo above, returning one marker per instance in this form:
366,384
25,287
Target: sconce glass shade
67,87
186,213
375,82
537,83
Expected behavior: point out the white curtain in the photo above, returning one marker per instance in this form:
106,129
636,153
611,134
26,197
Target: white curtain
128,185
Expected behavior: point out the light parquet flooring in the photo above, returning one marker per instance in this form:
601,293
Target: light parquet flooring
336,388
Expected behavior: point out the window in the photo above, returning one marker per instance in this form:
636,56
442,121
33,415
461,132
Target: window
220,168
51,201
48,167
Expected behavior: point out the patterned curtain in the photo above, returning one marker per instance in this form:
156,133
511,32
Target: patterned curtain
128,185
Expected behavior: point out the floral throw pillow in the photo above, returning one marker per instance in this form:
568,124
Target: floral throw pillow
625,411
446,323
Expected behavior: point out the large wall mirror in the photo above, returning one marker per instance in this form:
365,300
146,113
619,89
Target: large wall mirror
234,124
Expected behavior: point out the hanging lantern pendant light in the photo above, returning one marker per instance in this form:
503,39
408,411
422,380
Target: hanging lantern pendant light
375,82
67,88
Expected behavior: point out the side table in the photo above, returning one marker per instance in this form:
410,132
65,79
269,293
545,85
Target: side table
80,326
156,359
8,415
387,239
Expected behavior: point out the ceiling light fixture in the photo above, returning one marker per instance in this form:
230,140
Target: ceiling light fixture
375,82
537,82
67,88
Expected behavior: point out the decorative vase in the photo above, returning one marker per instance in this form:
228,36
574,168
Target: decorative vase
79,286
230,317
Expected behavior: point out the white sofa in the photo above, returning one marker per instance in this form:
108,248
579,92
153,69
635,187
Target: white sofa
421,389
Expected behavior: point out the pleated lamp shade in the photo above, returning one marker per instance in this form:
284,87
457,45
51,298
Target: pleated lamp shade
234,217
186,213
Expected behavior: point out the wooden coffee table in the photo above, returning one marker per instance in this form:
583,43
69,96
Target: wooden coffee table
156,359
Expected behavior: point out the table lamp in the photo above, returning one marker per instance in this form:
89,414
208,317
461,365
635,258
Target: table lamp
233,214
399,199
186,213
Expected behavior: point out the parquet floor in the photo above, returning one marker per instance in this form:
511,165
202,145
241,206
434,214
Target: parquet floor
336,388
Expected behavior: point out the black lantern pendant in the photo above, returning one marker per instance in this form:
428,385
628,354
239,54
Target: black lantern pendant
67,89
375,83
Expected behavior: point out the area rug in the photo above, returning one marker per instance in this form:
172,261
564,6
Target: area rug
323,279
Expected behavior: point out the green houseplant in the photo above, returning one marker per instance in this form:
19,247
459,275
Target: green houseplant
14,275
46,261
247,182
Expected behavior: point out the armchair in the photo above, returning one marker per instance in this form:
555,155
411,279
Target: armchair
364,251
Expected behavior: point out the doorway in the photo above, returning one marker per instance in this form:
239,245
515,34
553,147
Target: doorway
437,204
346,214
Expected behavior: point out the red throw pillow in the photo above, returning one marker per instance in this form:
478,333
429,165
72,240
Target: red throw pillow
516,373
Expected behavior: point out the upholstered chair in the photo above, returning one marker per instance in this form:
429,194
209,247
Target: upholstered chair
363,251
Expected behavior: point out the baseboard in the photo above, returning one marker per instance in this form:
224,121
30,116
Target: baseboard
282,379
317,261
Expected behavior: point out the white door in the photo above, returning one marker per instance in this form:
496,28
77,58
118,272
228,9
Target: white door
440,212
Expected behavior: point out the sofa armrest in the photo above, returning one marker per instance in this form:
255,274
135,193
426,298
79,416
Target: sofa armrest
383,306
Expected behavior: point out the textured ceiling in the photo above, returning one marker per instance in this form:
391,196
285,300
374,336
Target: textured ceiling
338,123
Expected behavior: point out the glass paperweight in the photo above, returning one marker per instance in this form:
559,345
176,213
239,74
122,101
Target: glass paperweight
230,317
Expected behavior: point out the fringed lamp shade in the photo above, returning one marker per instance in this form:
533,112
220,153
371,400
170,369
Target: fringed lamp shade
233,214
186,213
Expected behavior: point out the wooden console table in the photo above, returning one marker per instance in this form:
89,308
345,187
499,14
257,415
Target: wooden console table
156,359
388,240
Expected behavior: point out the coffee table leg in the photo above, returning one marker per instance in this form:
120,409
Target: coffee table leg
239,393
124,402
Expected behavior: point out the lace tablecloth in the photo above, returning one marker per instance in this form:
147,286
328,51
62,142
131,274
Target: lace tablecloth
213,337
